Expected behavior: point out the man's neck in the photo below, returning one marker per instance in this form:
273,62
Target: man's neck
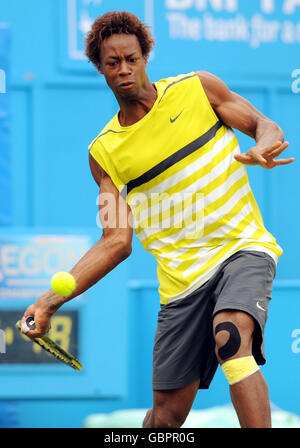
131,111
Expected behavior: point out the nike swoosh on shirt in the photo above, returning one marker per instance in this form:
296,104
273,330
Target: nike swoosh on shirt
260,307
172,120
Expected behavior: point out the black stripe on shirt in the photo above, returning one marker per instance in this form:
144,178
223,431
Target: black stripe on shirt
171,160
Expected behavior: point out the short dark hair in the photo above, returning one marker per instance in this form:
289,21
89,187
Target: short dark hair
116,22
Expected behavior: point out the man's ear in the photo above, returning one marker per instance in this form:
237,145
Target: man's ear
145,60
100,69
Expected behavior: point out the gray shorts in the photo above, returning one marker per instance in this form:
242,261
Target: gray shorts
184,347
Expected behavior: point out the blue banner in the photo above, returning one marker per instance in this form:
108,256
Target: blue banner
228,37
5,125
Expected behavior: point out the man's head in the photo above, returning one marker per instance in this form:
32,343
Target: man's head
119,45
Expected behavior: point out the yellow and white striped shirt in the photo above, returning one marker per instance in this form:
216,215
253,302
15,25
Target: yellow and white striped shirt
191,200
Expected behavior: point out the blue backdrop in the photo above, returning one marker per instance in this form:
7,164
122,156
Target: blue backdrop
59,103
5,125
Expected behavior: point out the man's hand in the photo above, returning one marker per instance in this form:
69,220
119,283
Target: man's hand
41,315
265,157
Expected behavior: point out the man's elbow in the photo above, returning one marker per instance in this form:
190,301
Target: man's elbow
123,247
125,250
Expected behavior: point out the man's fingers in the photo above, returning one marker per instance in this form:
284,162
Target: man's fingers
261,160
243,157
24,326
33,334
38,332
274,147
41,327
265,158
250,159
277,151
284,161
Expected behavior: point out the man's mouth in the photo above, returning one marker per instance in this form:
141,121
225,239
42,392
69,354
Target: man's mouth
126,85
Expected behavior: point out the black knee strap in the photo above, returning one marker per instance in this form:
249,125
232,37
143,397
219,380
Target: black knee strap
233,344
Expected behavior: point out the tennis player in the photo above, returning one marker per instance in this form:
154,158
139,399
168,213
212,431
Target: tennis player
169,165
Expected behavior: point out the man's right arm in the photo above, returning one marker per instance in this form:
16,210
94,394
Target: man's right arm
113,247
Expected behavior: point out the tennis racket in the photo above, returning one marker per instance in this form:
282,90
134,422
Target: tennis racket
51,347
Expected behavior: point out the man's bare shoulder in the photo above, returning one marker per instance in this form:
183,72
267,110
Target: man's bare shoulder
202,74
209,80
215,89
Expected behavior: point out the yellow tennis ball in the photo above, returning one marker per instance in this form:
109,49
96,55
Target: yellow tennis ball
63,283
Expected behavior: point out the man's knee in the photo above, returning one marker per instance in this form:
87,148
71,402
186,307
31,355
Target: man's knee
165,417
233,332
171,407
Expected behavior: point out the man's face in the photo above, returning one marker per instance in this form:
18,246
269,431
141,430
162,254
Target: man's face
123,65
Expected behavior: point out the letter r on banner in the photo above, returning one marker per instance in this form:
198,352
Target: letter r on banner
2,341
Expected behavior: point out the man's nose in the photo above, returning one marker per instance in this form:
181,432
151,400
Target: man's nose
124,68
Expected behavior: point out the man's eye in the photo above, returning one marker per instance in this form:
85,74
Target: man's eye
132,60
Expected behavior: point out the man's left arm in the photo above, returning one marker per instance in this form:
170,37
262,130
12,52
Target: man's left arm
236,112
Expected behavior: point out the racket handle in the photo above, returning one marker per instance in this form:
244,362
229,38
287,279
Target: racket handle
29,324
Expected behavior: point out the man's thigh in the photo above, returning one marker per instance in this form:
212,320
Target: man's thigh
184,345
